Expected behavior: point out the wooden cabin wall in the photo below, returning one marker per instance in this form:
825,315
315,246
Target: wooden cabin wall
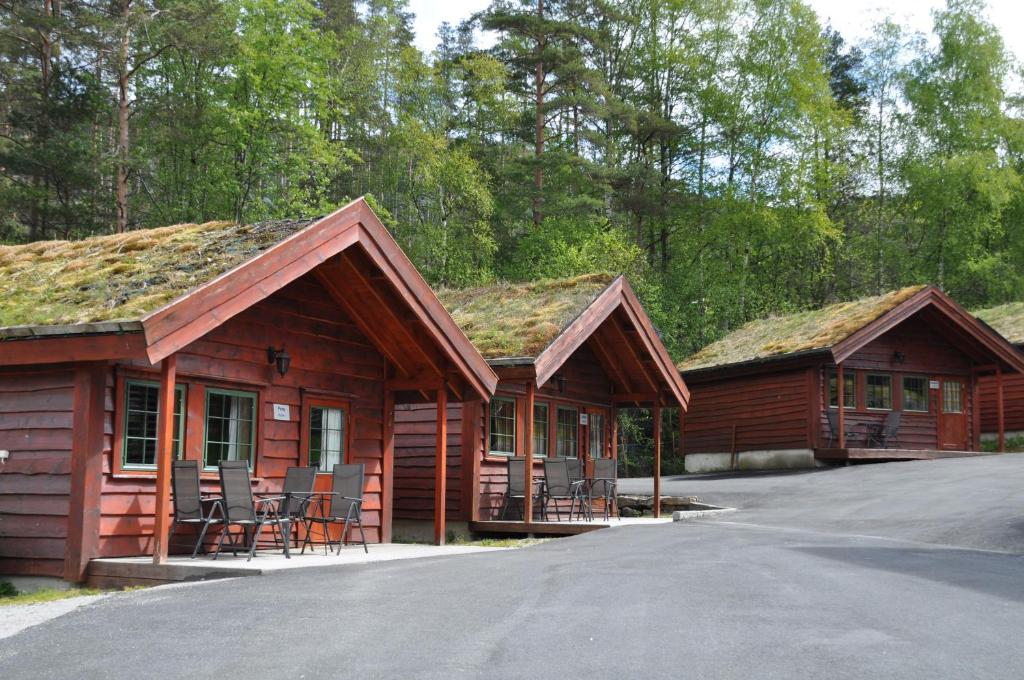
36,412
329,354
415,462
927,354
749,413
1013,403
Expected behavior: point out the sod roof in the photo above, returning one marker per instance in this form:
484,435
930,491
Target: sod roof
123,277
1007,319
518,320
815,329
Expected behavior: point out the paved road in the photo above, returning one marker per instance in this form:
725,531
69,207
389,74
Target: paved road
734,598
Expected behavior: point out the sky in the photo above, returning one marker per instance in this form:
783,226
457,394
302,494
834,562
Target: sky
852,18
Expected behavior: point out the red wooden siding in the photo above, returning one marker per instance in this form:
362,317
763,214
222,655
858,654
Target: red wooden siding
35,426
1013,403
415,458
750,413
329,356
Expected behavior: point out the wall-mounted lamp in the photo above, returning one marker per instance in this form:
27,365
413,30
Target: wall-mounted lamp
899,357
279,357
560,379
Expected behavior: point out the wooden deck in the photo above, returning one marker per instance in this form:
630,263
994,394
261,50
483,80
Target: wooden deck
566,528
885,455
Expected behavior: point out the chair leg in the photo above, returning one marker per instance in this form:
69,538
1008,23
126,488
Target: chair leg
362,536
220,541
255,539
202,535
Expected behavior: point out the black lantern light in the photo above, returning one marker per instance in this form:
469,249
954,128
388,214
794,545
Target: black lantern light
899,357
279,357
560,379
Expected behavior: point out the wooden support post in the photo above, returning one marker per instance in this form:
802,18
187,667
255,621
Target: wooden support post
1000,418
83,527
531,393
657,460
841,405
387,484
682,436
441,466
615,433
164,455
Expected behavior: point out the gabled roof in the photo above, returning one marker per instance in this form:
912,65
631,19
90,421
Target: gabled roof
839,330
1007,319
150,293
541,324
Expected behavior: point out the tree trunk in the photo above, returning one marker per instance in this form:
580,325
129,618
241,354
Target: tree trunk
538,152
121,187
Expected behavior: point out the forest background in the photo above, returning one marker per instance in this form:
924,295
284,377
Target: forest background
735,158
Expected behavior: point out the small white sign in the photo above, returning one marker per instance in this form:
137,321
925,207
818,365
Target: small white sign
282,412
583,419
933,384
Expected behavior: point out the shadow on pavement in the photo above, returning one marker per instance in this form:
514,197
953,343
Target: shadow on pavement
991,573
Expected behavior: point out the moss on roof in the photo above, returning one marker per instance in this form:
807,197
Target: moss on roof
804,331
521,319
123,277
1007,319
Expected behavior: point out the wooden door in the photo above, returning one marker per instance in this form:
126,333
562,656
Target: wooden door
595,437
952,414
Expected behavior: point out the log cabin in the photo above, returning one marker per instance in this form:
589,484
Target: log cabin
906,366
282,343
567,353
1008,320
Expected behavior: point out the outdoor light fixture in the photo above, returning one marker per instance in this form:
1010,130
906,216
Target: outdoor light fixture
560,379
899,357
280,357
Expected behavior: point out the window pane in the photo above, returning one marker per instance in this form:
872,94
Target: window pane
597,449
503,426
849,390
915,393
230,426
540,430
879,391
141,413
567,433
326,437
952,396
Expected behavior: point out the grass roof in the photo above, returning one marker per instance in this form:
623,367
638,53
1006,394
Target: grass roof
123,277
1007,319
804,331
520,319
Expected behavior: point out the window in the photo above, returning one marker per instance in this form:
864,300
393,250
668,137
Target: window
849,390
141,405
326,437
879,391
915,393
596,431
230,426
540,429
952,396
503,427
567,432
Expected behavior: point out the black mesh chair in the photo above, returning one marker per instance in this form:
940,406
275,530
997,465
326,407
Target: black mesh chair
191,506
516,490
578,478
297,495
886,432
559,487
604,484
346,506
243,510
833,429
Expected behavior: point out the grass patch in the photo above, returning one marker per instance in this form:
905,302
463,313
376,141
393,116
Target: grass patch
452,539
1007,319
1013,445
9,595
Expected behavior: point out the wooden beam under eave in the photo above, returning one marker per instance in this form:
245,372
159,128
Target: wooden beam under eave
641,369
441,466
164,456
657,460
608,360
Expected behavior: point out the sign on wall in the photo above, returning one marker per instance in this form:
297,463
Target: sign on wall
282,412
583,419
933,384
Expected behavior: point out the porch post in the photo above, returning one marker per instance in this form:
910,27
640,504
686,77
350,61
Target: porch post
657,460
387,493
441,465
531,393
841,405
164,454
999,409
615,434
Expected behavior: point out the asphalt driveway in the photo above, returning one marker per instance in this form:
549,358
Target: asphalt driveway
761,594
